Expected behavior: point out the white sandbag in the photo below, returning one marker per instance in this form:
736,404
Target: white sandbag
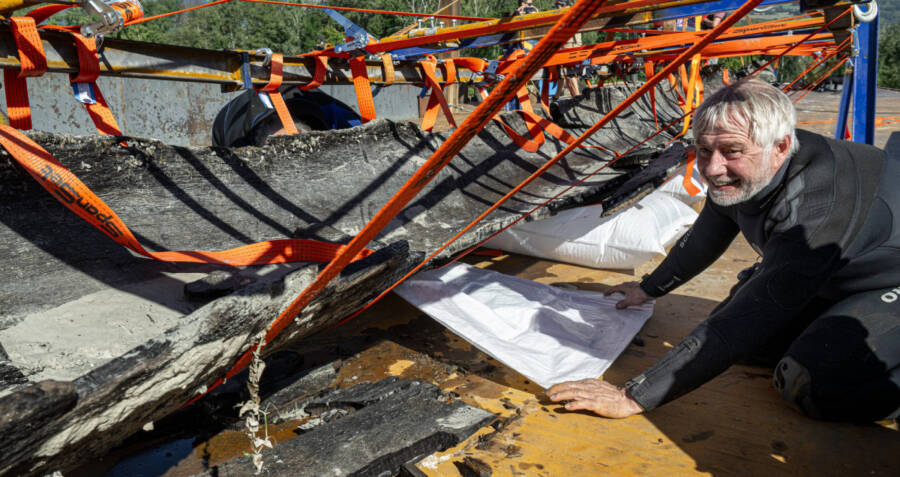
547,334
624,240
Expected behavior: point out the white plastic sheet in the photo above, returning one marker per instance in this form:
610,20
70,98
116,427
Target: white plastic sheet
547,334
621,241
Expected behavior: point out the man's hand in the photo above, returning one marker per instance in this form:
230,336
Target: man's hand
634,295
596,395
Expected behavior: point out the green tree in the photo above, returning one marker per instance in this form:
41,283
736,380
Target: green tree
889,57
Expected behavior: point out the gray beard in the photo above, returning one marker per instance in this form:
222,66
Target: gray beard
745,193
748,189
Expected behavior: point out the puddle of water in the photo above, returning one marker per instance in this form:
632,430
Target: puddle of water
174,458
179,457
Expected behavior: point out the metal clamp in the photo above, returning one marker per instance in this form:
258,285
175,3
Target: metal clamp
490,73
359,37
268,58
110,20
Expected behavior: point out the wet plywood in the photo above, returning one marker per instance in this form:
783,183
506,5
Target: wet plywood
736,424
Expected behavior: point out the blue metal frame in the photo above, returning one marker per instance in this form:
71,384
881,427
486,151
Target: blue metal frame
865,76
840,129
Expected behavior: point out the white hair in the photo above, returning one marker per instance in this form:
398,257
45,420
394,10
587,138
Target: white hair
754,106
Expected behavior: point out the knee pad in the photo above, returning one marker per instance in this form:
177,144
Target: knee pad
794,383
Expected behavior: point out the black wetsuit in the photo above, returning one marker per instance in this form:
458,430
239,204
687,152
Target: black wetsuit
823,297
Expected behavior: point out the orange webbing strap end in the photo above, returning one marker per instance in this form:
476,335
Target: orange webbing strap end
33,62
276,66
683,76
537,126
363,88
437,96
387,62
449,70
692,95
524,99
88,72
77,197
319,74
726,78
699,99
534,130
688,174
650,70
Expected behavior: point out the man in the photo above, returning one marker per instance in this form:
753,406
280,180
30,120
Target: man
712,20
526,7
823,305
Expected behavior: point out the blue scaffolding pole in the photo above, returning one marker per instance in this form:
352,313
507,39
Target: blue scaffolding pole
865,77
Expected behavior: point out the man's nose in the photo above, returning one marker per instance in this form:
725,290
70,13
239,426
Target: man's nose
713,165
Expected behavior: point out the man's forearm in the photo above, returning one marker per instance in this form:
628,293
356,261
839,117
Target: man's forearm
706,241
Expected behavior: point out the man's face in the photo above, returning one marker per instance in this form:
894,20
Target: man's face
734,166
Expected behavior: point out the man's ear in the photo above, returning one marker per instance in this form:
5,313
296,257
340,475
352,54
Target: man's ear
782,149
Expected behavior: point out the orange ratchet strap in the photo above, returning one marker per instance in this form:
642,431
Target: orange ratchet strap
688,184
86,81
71,192
276,65
33,62
363,88
319,75
437,94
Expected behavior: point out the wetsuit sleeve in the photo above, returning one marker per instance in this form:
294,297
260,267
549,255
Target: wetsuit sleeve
788,278
706,241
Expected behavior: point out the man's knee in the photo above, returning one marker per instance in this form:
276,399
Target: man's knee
794,382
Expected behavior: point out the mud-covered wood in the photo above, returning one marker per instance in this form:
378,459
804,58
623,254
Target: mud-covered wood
368,429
